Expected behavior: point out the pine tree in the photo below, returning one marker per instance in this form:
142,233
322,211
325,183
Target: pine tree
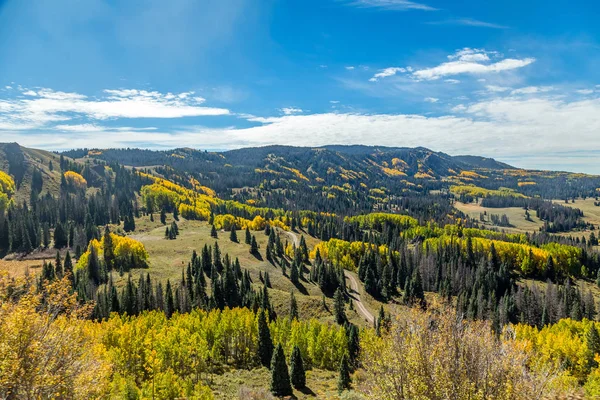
213,232
280,377
353,346
58,265
68,265
593,345
253,246
265,343
248,236
169,302
163,216
93,266
344,379
338,307
293,307
175,213
109,252
297,373
233,235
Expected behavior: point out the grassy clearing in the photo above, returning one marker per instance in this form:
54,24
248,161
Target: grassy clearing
516,216
591,213
320,384
168,258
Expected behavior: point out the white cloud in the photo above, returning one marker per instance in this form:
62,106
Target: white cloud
350,67
384,73
469,22
395,5
431,99
464,61
334,101
532,90
585,91
496,89
291,110
466,65
42,106
452,81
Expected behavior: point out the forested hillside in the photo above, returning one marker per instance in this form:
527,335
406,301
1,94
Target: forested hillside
282,271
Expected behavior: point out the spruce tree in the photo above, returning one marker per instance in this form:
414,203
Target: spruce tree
253,246
297,373
109,252
338,307
233,235
344,379
293,307
248,236
593,345
213,232
265,343
280,377
169,302
163,216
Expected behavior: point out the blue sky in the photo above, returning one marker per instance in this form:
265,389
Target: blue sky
514,80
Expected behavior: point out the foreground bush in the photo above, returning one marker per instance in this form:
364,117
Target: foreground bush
437,355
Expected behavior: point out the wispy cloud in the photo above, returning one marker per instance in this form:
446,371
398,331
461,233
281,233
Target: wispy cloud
468,22
38,107
384,73
464,61
291,110
532,90
431,99
394,5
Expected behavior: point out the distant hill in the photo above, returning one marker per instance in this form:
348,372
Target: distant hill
21,162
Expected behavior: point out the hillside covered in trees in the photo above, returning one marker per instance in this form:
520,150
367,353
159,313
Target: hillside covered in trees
313,271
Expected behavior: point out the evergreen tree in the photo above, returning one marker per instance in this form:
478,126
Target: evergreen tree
60,236
280,377
175,213
344,379
169,302
593,345
338,307
109,252
293,307
297,373
163,216
213,232
233,235
265,343
58,265
248,236
93,266
254,246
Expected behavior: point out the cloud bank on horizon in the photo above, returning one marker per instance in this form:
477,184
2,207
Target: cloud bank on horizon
506,95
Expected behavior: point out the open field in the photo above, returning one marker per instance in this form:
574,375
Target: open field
168,258
320,384
516,216
591,213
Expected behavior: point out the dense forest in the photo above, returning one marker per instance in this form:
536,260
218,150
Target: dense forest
386,216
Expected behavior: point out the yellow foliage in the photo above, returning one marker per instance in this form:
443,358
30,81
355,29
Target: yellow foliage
46,349
437,355
392,172
343,254
471,174
477,191
75,180
297,173
423,175
7,184
562,347
124,248
528,183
